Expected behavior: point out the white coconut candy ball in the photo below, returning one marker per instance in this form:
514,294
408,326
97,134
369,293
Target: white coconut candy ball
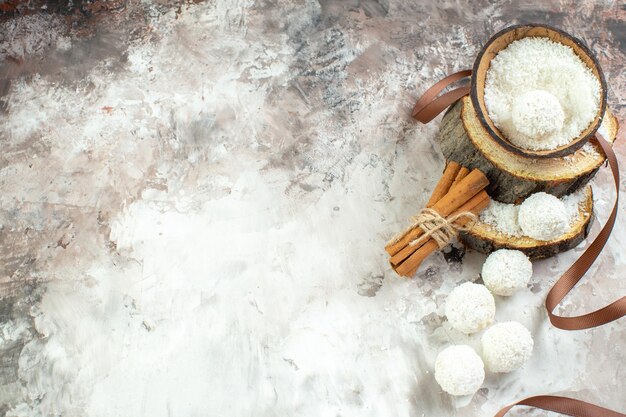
470,308
542,216
459,370
506,346
506,271
537,114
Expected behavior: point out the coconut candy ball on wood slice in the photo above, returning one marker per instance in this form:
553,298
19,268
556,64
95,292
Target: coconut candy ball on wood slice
485,238
542,216
512,176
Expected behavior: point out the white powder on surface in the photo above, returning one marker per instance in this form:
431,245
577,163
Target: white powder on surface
531,64
505,271
504,217
542,216
459,370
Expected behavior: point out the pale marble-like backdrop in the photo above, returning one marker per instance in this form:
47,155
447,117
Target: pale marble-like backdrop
194,201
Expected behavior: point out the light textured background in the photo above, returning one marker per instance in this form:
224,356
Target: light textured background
194,202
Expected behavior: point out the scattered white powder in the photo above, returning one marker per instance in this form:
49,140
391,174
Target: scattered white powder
506,346
504,217
531,64
588,149
459,370
506,271
470,308
542,216
572,204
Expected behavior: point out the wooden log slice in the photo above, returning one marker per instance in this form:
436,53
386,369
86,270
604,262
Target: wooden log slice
513,177
486,239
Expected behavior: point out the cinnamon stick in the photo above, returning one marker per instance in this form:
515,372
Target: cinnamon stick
407,250
460,175
410,265
458,195
444,184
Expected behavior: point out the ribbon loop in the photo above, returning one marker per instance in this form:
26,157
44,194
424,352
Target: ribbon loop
429,105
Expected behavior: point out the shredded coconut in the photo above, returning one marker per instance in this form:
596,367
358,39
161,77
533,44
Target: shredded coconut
588,149
470,308
506,271
572,204
459,370
506,346
531,64
504,217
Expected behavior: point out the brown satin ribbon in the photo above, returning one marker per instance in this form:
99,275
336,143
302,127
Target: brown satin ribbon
578,269
569,406
426,109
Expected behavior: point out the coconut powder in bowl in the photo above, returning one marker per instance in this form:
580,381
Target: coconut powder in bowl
540,94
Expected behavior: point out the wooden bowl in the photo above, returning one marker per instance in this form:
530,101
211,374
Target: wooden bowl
501,40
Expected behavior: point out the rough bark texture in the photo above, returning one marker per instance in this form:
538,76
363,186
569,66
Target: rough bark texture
485,239
511,184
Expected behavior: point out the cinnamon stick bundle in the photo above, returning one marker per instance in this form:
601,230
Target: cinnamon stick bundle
458,193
